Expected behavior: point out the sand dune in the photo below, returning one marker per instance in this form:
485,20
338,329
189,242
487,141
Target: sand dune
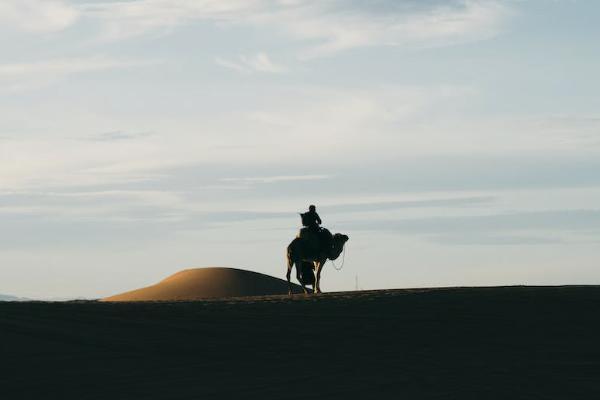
203,283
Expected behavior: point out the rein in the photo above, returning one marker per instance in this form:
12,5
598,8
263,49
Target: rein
343,260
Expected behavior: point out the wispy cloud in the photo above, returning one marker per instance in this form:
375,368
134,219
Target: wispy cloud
390,127
470,201
64,66
117,136
492,239
21,76
328,25
331,118
276,179
260,62
506,228
340,25
37,16
569,130
101,205
126,19
234,66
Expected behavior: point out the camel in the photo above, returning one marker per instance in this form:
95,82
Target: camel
309,259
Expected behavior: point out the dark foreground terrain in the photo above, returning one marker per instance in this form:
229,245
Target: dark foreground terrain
460,343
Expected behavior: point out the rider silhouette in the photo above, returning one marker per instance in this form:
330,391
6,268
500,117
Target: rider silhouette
311,219
318,237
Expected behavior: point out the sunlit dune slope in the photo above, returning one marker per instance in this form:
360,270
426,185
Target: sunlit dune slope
202,283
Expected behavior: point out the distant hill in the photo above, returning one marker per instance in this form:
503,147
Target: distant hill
203,283
6,297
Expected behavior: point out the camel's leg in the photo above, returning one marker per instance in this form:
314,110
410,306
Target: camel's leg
290,265
315,268
309,268
318,268
299,275
318,274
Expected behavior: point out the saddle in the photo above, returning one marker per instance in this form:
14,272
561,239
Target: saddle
317,238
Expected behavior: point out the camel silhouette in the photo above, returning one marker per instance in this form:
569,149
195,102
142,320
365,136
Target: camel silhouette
310,259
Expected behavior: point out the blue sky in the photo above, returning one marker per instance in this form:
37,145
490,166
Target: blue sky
455,142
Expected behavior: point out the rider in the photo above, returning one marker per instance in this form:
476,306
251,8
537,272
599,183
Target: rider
311,219
312,231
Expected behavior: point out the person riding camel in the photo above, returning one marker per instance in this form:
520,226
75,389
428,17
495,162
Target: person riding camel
312,232
311,219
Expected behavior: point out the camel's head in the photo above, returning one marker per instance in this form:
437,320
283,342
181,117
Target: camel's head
340,238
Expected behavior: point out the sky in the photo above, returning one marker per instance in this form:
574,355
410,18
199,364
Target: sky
455,142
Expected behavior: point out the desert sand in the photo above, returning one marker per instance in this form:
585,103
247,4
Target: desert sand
205,283
454,343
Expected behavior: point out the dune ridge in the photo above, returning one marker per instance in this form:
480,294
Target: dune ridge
204,283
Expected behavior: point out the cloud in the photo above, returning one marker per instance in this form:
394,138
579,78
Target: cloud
343,25
537,227
262,63
231,65
490,239
37,16
126,19
64,66
96,205
569,131
276,179
303,131
117,136
257,63
322,27
30,75
469,201
321,122
315,124
178,206
47,161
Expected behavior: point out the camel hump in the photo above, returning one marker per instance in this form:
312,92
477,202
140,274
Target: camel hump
317,239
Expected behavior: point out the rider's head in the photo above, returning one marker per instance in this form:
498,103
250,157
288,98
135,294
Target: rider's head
312,208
